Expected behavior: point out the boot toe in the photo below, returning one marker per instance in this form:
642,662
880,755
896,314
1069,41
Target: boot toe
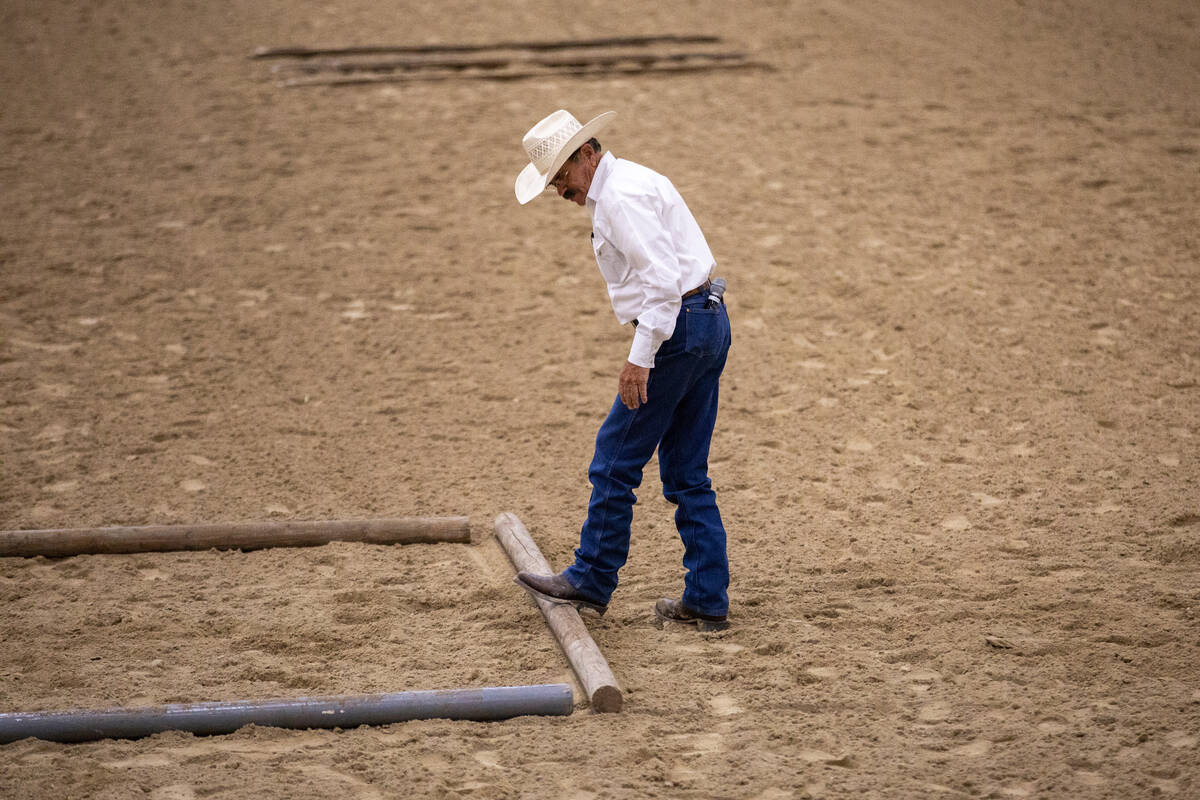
557,589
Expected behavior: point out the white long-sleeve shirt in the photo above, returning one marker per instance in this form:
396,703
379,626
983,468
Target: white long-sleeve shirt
648,247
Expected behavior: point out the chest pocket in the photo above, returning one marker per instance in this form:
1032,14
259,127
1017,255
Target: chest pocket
612,263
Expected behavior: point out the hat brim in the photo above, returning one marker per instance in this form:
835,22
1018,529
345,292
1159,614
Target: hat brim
530,183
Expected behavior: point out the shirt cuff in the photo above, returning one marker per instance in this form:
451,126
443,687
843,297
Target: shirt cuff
641,353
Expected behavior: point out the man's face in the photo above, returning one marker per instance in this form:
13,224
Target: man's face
575,177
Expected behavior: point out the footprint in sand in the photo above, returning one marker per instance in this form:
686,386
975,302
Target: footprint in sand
889,481
681,775
979,747
920,681
54,432
434,762
1052,726
723,706
937,711
356,309
343,780
1088,778
1180,739
697,744
986,499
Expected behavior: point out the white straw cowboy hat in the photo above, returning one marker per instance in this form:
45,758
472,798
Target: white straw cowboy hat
549,144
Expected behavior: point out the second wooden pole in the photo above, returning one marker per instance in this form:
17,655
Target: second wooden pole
585,657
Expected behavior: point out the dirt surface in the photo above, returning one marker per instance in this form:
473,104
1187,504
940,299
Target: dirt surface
959,446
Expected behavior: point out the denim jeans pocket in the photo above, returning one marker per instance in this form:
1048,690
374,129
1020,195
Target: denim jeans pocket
705,333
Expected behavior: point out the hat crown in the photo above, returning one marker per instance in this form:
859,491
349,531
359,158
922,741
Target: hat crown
546,139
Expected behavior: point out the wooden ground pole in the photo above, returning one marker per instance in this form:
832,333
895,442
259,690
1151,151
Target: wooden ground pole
232,536
584,656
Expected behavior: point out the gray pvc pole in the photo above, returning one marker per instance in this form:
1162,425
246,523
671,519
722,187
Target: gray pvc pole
348,711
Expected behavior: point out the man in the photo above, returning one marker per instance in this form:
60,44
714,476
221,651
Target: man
657,265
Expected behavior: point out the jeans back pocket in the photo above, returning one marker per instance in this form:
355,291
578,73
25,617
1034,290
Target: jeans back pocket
705,330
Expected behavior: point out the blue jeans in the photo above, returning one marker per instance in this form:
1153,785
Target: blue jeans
678,419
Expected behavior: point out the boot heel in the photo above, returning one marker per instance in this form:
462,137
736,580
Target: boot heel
671,610
711,627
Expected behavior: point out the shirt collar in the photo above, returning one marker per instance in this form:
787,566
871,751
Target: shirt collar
599,178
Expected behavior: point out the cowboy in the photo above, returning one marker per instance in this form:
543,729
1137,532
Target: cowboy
658,266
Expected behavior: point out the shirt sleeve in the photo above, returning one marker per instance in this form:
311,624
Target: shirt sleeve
646,243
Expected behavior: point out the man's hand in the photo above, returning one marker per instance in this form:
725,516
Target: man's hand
631,386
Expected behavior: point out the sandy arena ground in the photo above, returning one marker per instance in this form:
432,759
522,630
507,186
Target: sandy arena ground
959,446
